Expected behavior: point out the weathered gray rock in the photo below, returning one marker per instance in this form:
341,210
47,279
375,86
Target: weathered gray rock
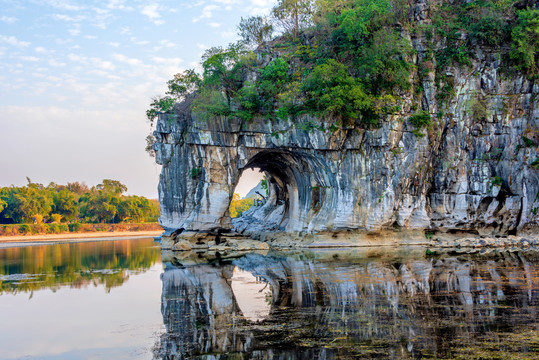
470,172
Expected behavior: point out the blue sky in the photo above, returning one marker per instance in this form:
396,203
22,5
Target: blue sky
77,76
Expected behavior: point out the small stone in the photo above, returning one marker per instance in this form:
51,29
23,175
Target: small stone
480,243
181,246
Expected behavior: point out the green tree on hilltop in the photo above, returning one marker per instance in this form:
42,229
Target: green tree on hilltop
255,30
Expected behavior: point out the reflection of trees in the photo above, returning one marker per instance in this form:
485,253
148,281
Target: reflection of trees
75,264
362,307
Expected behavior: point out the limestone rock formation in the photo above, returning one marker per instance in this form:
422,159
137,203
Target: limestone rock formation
471,172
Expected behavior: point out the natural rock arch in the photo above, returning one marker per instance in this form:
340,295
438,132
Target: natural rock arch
300,186
352,177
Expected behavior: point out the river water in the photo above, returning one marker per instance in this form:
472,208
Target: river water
123,299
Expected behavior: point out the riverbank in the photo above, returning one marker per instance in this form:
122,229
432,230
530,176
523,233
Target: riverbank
28,230
466,242
75,236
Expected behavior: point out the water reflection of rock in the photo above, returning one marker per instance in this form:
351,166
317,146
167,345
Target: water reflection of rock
327,308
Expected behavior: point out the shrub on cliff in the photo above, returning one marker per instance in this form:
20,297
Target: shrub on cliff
525,42
352,60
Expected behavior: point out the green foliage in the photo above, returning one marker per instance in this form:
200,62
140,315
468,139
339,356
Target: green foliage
25,229
150,141
353,62
211,102
100,206
224,71
65,204
496,181
135,209
23,203
3,205
330,90
383,64
459,26
53,229
73,203
535,164
183,84
238,205
478,109
255,29
488,30
525,42
360,20
294,15
74,227
195,173
421,119
56,218
417,133
272,81
264,184
223,67
159,105
528,142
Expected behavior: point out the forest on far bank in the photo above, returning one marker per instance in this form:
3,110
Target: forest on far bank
74,203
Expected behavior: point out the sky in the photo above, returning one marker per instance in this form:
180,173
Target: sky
76,78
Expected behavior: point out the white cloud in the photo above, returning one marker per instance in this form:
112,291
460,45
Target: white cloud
8,19
263,3
93,61
68,18
91,37
100,11
114,44
167,43
61,41
215,24
207,12
202,46
74,32
138,42
226,2
167,61
29,58
55,63
118,5
42,50
127,60
151,12
12,40
163,44
63,5
75,57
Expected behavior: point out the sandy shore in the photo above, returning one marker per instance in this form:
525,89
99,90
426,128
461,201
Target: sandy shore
89,236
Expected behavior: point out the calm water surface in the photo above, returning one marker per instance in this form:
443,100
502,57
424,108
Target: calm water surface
124,299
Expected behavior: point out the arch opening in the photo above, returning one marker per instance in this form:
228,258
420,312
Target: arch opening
296,192
248,192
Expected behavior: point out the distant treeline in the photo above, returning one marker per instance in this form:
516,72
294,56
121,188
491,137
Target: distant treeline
74,203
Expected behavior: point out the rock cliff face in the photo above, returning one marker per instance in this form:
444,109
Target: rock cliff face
472,171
